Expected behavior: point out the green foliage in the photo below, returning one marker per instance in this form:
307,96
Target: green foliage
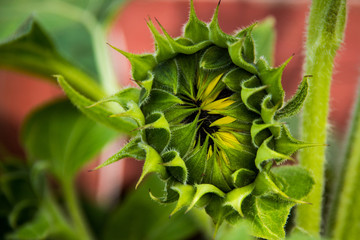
139,217
264,39
64,138
205,119
345,219
136,218
30,47
95,111
70,24
48,222
237,231
17,194
294,105
31,212
200,141
267,213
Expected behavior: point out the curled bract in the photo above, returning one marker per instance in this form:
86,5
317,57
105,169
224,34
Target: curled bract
207,121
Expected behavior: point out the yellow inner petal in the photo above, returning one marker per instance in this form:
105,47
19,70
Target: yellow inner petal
218,104
210,152
226,139
223,121
211,87
224,157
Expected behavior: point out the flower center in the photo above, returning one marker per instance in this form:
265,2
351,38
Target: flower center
205,123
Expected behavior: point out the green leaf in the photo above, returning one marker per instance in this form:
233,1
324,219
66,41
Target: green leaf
166,76
163,49
131,149
264,39
266,184
268,111
138,217
252,93
128,99
216,35
18,196
140,64
293,106
299,234
248,48
157,131
195,29
49,222
215,58
60,135
235,77
106,10
259,131
345,217
187,66
176,165
32,50
13,180
202,190
267,216
76,27
238,231
243,177
271,77
237,56
178,113
297,182
186,194
265,154
153,164
218,173
123,97
96,112
40,228
183,137
236,197
159,100
21,207
288,145
132,111
195,163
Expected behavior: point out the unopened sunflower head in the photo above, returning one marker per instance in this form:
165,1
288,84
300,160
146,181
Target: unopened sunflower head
207,120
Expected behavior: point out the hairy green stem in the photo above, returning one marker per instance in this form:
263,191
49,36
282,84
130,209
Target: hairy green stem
345,224
325,32
74,210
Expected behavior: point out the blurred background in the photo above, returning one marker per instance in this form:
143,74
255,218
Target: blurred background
71,25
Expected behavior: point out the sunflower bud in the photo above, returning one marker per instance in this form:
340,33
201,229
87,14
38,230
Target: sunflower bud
207,117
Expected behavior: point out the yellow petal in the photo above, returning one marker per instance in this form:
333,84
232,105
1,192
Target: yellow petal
210,152
218,105
210,98
224,157
211,87
227,139
223,121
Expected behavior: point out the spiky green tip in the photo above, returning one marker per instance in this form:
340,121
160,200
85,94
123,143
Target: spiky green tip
206,119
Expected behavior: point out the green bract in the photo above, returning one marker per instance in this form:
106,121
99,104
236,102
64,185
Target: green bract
207,121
